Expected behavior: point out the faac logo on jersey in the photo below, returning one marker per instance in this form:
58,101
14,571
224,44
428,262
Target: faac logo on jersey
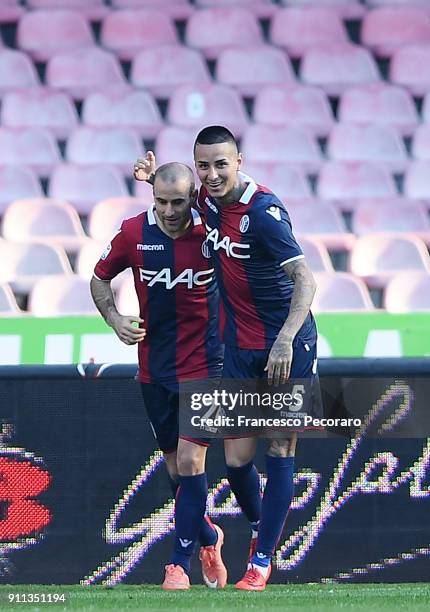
232,249
187,277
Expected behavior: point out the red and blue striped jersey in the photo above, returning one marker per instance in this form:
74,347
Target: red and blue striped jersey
177,294
250,241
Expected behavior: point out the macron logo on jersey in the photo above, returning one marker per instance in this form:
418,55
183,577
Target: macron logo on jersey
187,277
232,249
211,206
274,212
150,247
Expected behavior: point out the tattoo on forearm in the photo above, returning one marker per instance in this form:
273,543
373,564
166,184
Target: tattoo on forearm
303,293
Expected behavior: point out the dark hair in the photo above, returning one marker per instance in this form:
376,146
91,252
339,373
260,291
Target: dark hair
215,134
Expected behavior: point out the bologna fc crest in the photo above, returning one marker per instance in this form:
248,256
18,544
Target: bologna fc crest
205,250
244,224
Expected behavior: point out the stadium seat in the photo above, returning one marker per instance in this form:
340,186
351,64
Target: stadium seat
374,143
83,186
392,216
162,69
335,67
417,180
129,31
44,33
41,108
17,182
212,30
347,181
387,29
321,220
408,292
379,103
84,71
194,106
421,142
126,298
94,10
378,257
176,9
135,110
106,216
296,30
117,147
24,264
175,144
348,9
8,305
267,144
61,295
408,68
143,191
340,291
263,9
11,11
250,69
87,258
315,251
422,4
425,108
32,147
16,71
286,181
52,221
305,107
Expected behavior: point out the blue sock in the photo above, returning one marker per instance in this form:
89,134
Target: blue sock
190,508
277,498
245,484
207,534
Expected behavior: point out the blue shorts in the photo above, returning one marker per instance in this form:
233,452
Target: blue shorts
162,407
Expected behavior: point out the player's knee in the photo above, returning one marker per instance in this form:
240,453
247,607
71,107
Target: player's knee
282,448
190,461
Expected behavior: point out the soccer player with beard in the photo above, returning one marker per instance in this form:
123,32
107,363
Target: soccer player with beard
178,301
266,289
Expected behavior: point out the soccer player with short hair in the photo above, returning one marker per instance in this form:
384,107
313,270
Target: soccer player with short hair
178,301
267,290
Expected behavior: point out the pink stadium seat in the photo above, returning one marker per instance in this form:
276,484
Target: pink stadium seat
401,217
422,4
263,9
286,181
379,103
126,298
315,251
175,144
135,110
94,10
194,106
267,144
385,30
322,221
61,295
305,107
374,143
162,69
409,68
212,30
335,67
348,9
33,147
46,32
421,142
417,180
426,108
347,181
8,305
52,221
17,182
176,9
106,216
339,291
16,71
143,191
250,69
297,30
408,292
129,31
83,186
378,257
84,71
117,147
24,264
10,11
87,258
42,108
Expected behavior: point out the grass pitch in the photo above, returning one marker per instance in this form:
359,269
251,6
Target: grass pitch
303,597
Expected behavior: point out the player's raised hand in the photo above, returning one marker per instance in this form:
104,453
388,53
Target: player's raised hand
278,365
144,167
126,331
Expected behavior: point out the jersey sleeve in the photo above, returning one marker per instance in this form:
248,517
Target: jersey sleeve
114,258
273,226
